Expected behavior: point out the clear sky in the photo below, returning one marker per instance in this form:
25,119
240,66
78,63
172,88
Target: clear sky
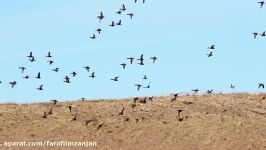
178,32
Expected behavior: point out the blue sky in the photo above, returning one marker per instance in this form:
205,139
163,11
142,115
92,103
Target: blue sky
177,32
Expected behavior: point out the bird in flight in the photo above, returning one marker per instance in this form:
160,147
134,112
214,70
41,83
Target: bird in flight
211,47
154,58
99,30
175,97
26,77
209,91
123,8
261,85
113,24
148,86
49,55
32,59
73,73
121,112
22,69
38,76
87,68
50,62
69,108
119,12
123,65
93,36
263,33
131,59
131,15
138,86
141,59
261,4
115,79
54,101
232,86
119,23
92,75
13,83
100,17
255,35
55,70
67,79
145,77
40,88
195,90
30,55
210,54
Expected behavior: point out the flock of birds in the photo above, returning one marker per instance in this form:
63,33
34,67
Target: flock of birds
114,23
67,78
146,99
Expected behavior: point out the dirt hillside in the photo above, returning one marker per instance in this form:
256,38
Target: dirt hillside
206,122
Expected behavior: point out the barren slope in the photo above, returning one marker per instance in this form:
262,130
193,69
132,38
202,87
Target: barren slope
233,121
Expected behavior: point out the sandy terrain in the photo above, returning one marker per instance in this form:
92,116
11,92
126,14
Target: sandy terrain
207,122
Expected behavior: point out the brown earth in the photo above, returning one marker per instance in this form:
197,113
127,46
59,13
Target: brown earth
207,122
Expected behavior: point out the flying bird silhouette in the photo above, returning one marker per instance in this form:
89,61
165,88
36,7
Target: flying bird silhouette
141,59
50,62
113,24
26,77
32,59
75,117
119,23
30,55
73,73
148,86
210,54
232,86
138,86
99,30
44,115
261,4
92,75
49,55
255,35
13,83
195,90
54,101
69,108
209,91
93,36
211,47
123,8
38,76
22,69
121,112
261,85
87,68
131,15
100,17
55,70
123,65
131,59
154,58
115,78
145,77
40,88
119,12
263,33
67,79
175,97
